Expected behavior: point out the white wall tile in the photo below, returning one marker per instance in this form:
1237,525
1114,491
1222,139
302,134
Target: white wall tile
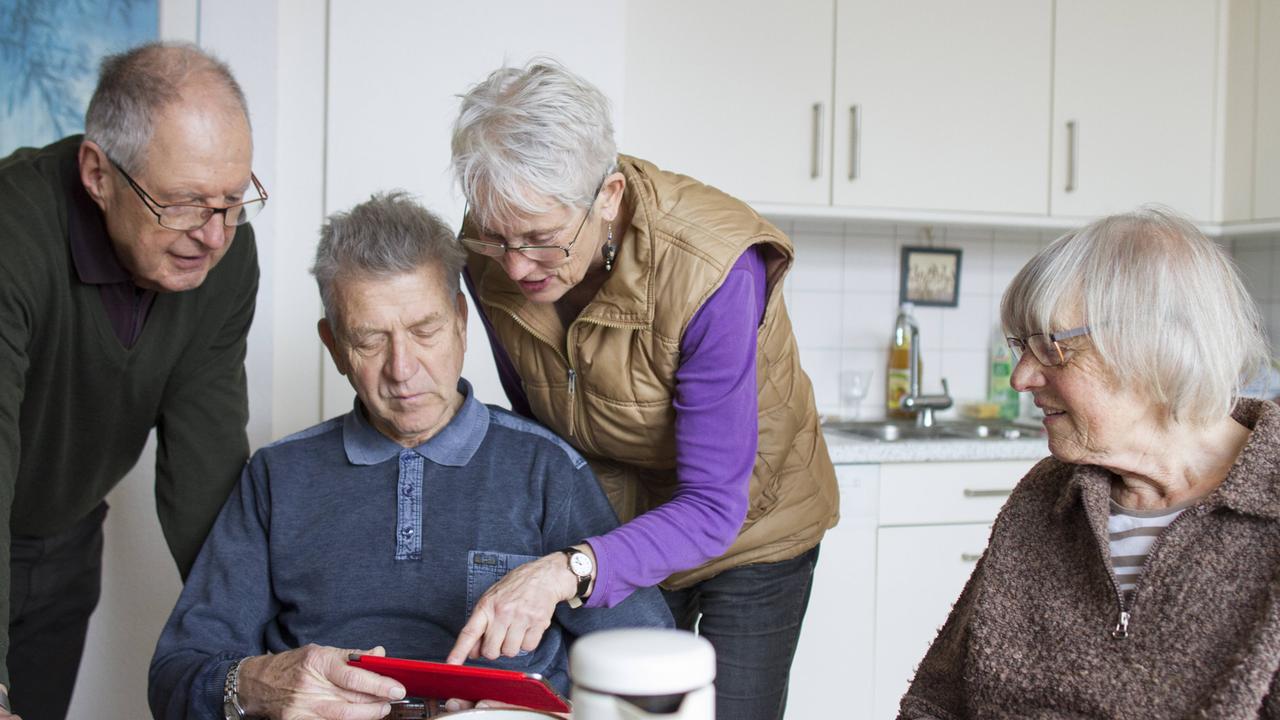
816,318
966,373
968,326
823,369
930,321
1007,259
975,263
1256,270
868,320
871,263
819,261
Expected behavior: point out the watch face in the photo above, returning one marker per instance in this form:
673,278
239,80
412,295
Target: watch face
580,564
231,711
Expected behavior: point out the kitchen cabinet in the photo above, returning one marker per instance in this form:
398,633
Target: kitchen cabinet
1266,188
833,671
934,522
736,93
942,105
1019,111
915,120
1135,105
909,536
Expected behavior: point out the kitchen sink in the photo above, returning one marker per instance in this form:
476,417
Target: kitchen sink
891,431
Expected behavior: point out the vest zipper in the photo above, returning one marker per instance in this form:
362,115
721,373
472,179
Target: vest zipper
572,375
1121,629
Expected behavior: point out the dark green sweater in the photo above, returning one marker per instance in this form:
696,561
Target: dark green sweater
76,406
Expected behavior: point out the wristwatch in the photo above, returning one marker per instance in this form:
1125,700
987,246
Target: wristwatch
580,565
231,709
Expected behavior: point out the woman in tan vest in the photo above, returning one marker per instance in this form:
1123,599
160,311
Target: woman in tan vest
639,314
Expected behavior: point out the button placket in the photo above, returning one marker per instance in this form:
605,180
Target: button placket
409,507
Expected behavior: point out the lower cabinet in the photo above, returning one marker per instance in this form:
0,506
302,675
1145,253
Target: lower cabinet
888,574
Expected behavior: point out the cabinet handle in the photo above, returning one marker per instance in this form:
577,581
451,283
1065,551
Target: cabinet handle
855,136
1072,155
970,557
971,493
815,161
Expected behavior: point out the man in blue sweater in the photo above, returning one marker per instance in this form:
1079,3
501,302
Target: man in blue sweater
382,527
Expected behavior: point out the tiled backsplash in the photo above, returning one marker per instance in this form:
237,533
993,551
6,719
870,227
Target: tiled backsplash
843,297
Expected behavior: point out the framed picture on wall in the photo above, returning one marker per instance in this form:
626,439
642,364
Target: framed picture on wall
930,276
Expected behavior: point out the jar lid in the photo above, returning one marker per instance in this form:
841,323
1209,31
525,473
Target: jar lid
642,661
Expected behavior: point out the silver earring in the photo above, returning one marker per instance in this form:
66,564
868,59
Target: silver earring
609,251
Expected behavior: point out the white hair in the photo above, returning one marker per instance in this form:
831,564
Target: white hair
133,86
526,136
387,235
1167,310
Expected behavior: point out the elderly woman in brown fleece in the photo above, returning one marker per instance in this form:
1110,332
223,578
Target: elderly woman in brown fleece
1136,573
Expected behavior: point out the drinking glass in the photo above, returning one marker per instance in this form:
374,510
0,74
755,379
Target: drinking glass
854,386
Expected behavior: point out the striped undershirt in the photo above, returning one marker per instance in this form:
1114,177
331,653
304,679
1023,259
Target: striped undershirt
1131,535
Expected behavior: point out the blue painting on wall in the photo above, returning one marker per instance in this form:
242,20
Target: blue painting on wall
49,56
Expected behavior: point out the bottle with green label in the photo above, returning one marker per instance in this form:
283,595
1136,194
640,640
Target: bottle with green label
1000,391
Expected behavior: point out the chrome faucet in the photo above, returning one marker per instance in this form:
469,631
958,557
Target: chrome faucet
922,405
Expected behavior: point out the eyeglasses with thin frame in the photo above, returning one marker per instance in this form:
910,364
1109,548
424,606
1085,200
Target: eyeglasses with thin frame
1044,346
548,254
186,217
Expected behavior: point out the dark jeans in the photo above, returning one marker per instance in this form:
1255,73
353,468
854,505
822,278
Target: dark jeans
53,588
752,615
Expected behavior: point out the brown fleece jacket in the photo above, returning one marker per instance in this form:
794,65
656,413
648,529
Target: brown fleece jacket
1035,632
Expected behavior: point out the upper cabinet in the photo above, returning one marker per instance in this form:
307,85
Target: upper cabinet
1136,105
942,105
736,93
1058,110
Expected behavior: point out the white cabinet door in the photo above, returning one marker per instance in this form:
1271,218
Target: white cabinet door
736,93
831,676
1134,106
1266,192
942,105
920,571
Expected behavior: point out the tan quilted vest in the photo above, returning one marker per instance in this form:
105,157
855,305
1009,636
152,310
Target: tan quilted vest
607,382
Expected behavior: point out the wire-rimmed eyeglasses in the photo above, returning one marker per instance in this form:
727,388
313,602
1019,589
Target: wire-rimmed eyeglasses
186,217
1044,346
548,254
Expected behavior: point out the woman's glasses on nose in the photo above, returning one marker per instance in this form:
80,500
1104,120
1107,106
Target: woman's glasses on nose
548,254
1044,346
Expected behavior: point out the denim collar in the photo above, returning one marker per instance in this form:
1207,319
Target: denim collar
454,445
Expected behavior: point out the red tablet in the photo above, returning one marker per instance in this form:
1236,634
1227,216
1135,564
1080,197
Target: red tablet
442,681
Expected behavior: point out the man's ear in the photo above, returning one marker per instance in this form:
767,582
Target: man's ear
331,344
95,170
461,302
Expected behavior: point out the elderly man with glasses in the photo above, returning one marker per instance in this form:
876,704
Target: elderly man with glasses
127,285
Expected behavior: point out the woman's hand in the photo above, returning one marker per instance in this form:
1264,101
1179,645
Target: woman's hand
315,682
512,614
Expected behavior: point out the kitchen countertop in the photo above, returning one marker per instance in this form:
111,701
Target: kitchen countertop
849,449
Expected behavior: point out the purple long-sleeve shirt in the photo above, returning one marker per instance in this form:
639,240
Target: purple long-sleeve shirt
716,435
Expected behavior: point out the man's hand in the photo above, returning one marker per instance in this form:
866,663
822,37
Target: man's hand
512,614
315,683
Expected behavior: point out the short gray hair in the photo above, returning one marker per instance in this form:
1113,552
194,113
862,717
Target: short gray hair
525,134
387,235
1168,312
135,85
